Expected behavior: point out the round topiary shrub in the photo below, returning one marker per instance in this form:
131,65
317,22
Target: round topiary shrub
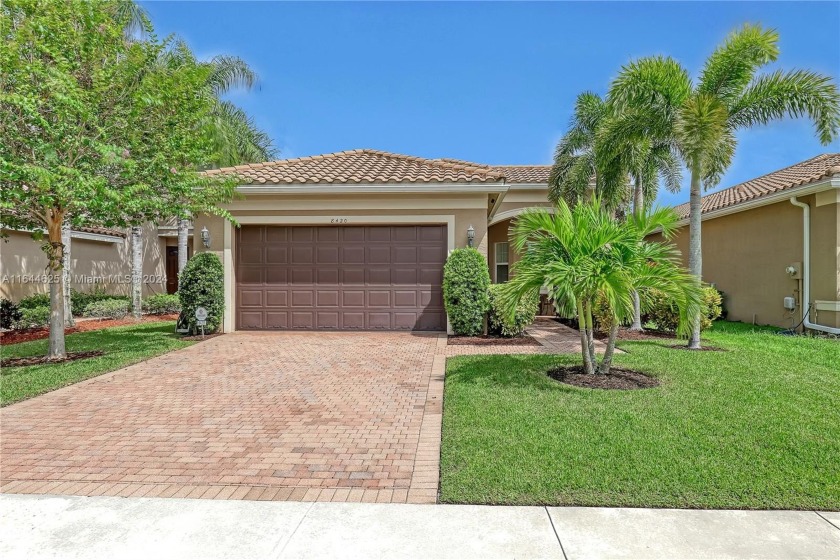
466,278
202,284
526,312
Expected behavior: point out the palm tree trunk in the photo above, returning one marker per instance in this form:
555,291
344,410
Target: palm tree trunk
638,210
55,256
588,366
183,234
695,249
65,274
590,335
606,362
136,271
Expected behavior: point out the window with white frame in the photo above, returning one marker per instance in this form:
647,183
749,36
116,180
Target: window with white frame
501,262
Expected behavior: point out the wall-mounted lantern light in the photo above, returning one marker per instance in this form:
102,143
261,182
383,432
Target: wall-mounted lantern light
470,236
205,237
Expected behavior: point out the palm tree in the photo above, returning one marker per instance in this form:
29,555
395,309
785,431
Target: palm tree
597,157
661,102
580,253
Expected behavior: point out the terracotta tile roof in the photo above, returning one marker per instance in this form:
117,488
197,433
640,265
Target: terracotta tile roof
361,167
802,173
524,173
101,231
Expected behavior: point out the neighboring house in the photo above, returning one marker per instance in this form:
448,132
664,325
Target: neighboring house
754,245
358,239
100,258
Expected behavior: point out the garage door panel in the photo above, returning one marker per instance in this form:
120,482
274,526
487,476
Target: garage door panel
340,277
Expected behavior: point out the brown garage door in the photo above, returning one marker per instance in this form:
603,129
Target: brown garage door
340,277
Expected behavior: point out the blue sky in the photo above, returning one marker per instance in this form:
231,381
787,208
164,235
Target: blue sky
486,82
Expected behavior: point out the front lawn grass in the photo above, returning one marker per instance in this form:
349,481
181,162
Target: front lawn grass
122,346
755,427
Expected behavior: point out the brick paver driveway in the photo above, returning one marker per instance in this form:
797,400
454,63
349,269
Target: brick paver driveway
271,416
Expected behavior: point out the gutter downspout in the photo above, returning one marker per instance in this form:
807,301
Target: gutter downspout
806,269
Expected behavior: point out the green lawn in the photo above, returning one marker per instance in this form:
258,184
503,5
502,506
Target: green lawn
755,427
122,346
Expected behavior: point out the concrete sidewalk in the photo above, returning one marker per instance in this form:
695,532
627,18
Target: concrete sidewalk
109,527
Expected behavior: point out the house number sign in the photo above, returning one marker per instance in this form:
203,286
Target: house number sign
338,220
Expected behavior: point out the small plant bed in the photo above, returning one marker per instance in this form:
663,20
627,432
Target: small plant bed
82,325
38,360
490,340
198,337
647,334
617,378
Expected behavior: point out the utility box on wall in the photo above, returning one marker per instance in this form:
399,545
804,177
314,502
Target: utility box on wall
790,303
794,270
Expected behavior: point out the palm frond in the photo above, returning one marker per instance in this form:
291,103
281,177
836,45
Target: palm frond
230,72
797,93
731,67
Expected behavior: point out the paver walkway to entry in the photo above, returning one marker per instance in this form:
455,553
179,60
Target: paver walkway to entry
266,416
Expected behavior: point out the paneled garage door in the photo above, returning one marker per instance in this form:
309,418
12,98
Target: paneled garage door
340,277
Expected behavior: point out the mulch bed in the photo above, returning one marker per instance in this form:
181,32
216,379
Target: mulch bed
627,334
199,337
487,340
38,360
25,335
618,378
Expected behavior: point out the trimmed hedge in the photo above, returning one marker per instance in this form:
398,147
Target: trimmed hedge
107,308
202,284
161,304
80,300
466,279
9,313
526,312
661,311
35,300
32,317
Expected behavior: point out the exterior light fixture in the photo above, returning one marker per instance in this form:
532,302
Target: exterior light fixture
470,236
205,237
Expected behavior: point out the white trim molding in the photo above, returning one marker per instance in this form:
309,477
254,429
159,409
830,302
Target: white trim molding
321,220
508,214
102,237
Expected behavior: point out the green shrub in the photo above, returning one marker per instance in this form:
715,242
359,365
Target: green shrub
107,308
526,311
465,282
35,300
80,300
664,314
202,284
32,317
161,304
9,313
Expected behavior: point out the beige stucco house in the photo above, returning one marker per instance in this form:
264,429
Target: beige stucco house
357,239
772,245
100,258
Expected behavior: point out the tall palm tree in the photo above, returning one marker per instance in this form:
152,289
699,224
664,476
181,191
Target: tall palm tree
580,253
700,119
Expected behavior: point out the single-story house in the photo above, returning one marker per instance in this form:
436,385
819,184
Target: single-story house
100,258
772,245
358,239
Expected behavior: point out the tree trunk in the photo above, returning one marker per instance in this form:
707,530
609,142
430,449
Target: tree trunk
55,268
136,271
695,249
590,338
606,362
588,366
65,275
638,210
183,235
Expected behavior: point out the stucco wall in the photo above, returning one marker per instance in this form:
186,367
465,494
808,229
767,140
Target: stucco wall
745,255
93,264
